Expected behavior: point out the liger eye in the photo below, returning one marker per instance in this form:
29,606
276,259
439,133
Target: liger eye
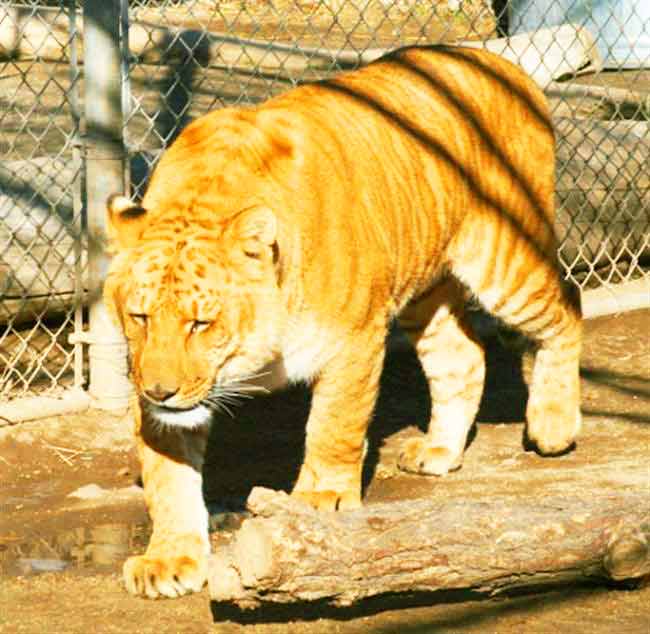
139,318
199,326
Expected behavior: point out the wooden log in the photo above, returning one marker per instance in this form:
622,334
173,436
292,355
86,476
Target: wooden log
616,298
287,552
34,407
26,34
602,221
603,194
602,189
573,100
42,253
548,54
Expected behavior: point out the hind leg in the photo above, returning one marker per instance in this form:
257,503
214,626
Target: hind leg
454,365
518,283
553,411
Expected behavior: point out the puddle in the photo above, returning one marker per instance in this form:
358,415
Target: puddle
103,547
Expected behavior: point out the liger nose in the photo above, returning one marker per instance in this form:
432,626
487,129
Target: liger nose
160,393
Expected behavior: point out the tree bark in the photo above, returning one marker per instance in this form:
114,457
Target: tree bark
287,552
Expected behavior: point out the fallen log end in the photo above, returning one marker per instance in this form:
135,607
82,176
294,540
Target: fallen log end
224,579
628,554
248,561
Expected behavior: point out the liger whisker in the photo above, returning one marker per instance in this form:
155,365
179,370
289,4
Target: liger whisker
221,396
218,406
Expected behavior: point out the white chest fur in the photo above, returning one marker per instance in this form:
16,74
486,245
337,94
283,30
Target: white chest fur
306,348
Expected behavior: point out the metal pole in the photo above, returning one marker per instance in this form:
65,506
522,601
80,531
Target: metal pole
109,386
77,202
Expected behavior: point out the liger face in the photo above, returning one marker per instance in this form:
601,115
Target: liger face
196,318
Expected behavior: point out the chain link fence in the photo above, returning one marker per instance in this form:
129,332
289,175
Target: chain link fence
42,254
181,58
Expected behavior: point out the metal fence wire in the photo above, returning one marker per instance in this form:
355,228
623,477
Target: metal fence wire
42,254
182,58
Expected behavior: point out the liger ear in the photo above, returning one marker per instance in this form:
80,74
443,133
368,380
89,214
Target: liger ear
256,230
125,221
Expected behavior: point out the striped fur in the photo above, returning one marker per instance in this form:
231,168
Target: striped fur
289,235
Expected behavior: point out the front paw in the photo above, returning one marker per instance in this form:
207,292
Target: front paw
329,487
171,571
418,456
330,500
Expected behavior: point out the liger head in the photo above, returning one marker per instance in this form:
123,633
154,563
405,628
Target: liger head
195,300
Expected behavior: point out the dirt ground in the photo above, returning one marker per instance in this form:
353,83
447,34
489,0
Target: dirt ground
61,554
37,133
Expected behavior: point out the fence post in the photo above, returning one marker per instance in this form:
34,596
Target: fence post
109,387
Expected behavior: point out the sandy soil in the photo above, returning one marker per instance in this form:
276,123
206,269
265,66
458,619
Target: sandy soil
41,526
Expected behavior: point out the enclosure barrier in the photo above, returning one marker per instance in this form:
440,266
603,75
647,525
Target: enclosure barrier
105,159
148,67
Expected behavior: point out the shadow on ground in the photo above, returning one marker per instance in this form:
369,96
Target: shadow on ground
272,429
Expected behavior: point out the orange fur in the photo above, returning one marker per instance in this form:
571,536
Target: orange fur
291,234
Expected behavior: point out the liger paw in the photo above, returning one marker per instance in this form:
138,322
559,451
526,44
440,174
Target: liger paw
329,500
154,575
418,456
552,429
